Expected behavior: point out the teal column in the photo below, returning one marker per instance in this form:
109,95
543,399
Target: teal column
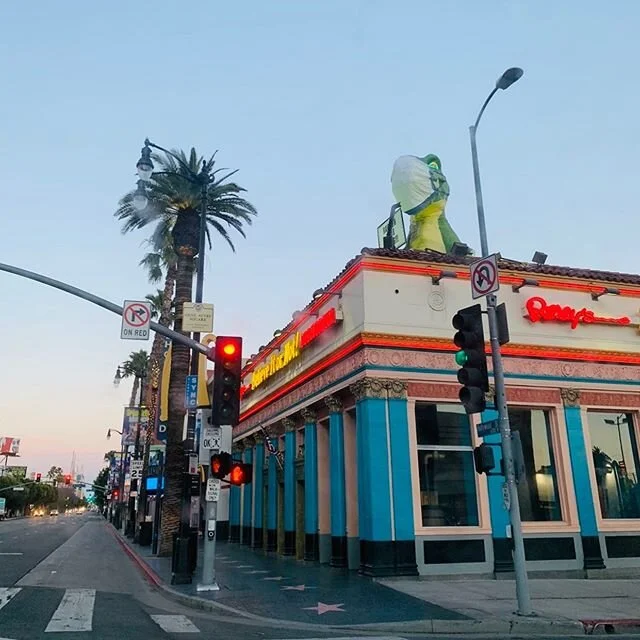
578,455
380,555
234,505
338,498
258,494
272,501
402,488
247,495
289,487
310,485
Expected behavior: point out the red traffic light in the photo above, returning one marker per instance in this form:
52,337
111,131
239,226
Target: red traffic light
220,464
241,473
229,348
67,479
38,477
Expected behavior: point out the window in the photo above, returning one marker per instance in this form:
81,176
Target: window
538,491
614,449
445,461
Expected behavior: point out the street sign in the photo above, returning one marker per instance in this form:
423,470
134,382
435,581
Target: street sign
211,437
136,465
398,233
191,391
485,429
484,276
18,488
136,320
197,317
212,493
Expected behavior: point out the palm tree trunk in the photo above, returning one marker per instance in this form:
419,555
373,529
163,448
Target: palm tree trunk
154,371
133,400
175,462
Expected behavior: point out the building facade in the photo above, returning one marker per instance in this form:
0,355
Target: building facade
363,455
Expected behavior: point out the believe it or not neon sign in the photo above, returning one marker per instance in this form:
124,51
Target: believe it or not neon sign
537,309
293,346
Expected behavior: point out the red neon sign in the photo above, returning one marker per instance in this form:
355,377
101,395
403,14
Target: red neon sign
323,323
539,310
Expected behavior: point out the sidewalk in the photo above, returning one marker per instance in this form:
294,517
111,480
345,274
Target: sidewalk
290,593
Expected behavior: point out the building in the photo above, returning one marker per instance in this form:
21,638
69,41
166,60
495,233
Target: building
358,393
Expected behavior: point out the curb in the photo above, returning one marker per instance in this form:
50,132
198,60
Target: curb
470,627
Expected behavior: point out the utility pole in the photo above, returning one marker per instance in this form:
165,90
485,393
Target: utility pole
522,585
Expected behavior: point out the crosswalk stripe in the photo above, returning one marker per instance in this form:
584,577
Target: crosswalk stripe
356,638
175,624
74,613
6,593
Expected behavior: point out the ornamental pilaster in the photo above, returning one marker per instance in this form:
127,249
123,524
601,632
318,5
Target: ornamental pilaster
334,404
289,424
310,416
397,389
570,397
368,388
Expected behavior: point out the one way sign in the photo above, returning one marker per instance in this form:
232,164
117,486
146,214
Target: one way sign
136,320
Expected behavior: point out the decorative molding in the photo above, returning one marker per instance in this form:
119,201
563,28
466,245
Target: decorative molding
397,389
533,395
613,399
368,388
238,447
435,390
289,424
309,415
334,404
249,442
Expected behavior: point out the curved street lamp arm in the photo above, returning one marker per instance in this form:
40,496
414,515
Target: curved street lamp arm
484,106
101,302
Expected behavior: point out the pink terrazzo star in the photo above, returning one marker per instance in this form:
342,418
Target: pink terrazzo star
322,608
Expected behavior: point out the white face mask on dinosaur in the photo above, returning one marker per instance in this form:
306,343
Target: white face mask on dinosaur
411,182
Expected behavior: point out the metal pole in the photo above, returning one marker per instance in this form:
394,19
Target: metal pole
158,506
208,582
101,302
121,482
522,584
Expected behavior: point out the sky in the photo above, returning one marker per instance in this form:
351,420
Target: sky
312,102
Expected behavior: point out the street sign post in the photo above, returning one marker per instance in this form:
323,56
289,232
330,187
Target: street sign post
191,391
484,276
136,320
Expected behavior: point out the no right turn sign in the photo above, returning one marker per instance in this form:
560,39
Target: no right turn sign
136,320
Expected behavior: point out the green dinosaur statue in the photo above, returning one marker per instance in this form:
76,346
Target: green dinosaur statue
421,188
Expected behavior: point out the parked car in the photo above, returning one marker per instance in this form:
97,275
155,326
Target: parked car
53,512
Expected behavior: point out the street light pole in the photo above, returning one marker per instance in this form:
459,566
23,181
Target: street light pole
522,585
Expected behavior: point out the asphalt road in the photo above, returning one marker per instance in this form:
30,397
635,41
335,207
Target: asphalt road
69,577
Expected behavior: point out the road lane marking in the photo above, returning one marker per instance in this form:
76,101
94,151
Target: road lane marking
10,553
6,594
175,624
74,613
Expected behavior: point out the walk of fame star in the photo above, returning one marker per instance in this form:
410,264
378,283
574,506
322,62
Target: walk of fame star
298,587
322,608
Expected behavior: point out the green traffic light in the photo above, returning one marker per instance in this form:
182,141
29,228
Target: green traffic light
461,358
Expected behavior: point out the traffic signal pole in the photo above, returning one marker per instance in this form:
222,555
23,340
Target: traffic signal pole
522,583
208,582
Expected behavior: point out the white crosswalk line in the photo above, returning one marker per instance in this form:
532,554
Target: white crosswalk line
355,638
74,613
6,593
175,624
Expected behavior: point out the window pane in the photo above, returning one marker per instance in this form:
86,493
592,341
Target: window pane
444,425
615,459
447,489
538,490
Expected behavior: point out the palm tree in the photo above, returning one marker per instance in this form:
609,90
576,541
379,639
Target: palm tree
136,367
175,199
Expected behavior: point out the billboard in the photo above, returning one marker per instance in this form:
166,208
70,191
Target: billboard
130,424
13,470
9,446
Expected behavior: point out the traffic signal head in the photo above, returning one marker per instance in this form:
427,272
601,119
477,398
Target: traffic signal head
220,465
38,477
241,473
115,495
473,376
67,479
483,458
225,408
